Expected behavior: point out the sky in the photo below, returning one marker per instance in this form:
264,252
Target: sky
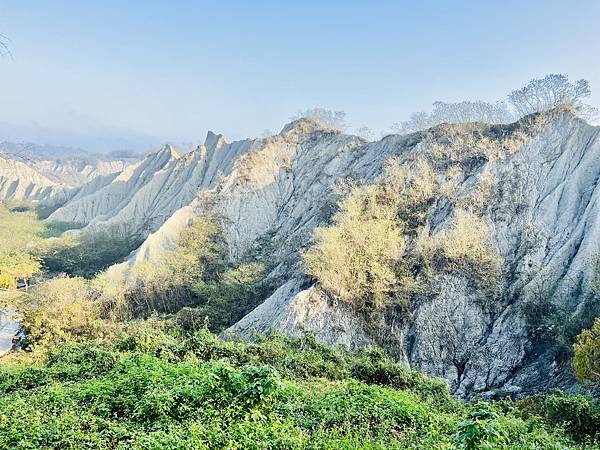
105,75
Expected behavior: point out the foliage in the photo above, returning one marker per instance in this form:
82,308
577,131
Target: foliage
577,414
206,392
17,265
20,228
554,90
479,431
194,281
459,112
86,253
62,309
20,232
586,361
324,117
365,133
355,257
552,323
380,249
464,247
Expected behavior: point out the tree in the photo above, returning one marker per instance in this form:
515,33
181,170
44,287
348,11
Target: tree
459,112
365,133
4,50
324,117
17,266
544,94
355,258
61,310
586,362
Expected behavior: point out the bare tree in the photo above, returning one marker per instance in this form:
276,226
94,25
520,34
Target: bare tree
365,133
418,121
4,49
459,112
544,94
470,111
324,117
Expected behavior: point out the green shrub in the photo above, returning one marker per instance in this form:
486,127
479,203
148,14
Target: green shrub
86,253
480,431
578,415
63,309
206,392
586,361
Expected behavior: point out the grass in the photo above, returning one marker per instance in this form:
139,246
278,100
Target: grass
21,228
151,389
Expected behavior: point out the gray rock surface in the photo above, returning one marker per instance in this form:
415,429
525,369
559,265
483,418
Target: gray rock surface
542,210
52,182
142,197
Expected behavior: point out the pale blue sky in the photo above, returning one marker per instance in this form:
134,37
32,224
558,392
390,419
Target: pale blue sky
134,73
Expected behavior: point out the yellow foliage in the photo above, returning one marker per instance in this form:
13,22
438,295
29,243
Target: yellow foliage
355,258
465,247
63,309
17,265
379,248
586,361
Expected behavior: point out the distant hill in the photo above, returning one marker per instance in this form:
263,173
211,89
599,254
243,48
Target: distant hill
49,174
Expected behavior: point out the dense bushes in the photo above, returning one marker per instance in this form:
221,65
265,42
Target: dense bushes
356,257
577,414
22,244
464,247
17,266
85,254
18,230
195,281
380,248
62,309
163,391
586,361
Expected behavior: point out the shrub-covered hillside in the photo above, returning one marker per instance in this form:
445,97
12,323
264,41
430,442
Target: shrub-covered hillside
153,389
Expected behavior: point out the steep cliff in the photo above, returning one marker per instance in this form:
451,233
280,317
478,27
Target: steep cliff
534,184
146,194
543,210
36,177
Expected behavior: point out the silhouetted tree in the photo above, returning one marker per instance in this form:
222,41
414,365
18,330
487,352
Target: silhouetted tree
544,94
459,112
365,133
324,117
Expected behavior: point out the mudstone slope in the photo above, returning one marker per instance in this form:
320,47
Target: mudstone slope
534,183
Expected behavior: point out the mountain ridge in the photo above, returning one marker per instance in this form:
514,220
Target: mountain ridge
285,186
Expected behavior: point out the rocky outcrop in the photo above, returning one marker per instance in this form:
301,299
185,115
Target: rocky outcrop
142,197
542,209
545,220
78,171
28,178
20,182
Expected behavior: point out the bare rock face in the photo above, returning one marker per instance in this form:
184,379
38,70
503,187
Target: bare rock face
544,216
19,182
143,196
542,207
52,182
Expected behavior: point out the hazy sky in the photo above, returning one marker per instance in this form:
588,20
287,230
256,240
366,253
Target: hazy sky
133,73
